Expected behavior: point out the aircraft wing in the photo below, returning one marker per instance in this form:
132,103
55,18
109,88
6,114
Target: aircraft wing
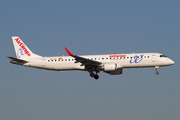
87,62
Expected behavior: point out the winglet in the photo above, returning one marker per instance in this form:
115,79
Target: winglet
69,53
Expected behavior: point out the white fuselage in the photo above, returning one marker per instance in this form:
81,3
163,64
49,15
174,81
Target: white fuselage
62,63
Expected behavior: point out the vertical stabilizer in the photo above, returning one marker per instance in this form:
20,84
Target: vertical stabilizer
21,50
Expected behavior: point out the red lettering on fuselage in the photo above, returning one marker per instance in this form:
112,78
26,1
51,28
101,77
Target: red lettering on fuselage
117,56
22,46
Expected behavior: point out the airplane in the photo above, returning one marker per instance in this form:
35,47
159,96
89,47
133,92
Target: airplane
112,64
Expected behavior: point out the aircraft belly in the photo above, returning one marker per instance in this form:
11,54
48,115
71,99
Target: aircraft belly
60,66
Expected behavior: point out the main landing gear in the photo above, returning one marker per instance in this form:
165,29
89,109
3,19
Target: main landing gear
157,67
96,76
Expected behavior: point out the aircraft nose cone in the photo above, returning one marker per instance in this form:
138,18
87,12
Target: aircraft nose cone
171,62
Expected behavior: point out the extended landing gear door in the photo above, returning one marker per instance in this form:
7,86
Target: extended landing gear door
153,58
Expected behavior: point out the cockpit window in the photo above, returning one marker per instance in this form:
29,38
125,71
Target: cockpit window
163,56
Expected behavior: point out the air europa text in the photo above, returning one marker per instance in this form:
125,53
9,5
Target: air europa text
22,46
117,56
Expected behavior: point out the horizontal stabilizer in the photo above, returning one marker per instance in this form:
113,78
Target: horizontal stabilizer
16,60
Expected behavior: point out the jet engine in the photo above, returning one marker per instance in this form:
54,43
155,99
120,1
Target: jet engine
110,67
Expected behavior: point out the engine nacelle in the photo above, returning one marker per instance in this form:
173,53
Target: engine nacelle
116,72
110,67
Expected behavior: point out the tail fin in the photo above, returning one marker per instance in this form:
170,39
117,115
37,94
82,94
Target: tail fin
21,50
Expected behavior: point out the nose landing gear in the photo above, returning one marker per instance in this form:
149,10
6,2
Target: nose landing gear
157,73
157,67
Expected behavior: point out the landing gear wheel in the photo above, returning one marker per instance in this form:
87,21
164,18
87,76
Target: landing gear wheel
96,77
157,73
92,74
157,67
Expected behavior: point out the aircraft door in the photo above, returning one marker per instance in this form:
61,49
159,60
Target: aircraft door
43,62
153,58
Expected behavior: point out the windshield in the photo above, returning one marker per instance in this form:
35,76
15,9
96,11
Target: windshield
163,56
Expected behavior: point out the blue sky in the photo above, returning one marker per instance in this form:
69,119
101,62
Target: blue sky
90,27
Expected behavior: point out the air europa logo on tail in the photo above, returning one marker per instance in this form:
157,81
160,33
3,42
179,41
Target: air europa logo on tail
21,44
